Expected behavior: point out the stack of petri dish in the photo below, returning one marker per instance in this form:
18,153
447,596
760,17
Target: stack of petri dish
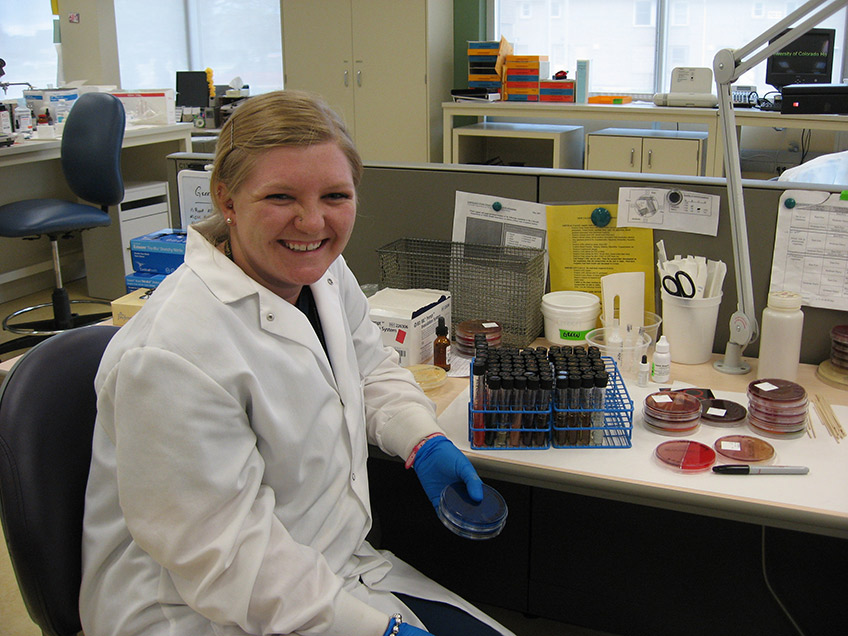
839,347
467,329
672,412
777,407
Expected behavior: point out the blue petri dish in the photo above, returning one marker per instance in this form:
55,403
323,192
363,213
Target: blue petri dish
468,518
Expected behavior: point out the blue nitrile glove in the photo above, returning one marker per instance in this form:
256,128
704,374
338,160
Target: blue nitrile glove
439,463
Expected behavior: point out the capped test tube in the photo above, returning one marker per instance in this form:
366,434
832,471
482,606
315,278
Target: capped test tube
587,383
519,388
530,404
561,412
599,393
478,402
543,403
505,414
493,404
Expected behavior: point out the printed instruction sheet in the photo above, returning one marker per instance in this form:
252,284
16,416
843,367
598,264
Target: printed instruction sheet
488,220
668,209
811,248
582,252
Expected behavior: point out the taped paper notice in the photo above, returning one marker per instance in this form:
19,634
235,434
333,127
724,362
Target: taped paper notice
581,252
664,209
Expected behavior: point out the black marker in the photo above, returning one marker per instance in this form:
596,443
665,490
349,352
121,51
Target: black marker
744,469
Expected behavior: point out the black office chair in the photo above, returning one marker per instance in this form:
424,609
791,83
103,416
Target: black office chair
91,163
47,411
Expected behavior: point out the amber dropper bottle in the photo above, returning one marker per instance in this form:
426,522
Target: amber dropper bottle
441,346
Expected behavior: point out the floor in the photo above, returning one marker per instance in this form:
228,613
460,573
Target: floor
77,290
16,622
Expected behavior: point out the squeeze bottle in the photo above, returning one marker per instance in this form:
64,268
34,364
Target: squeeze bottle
780,340
661,364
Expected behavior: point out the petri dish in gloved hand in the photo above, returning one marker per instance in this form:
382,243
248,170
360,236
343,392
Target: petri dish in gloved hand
470,519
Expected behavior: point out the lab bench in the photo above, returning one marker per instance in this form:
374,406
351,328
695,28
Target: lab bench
610,540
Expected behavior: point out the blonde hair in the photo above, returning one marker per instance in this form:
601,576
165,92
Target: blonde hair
281,118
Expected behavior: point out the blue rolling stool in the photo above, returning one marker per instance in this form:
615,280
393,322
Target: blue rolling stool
91,162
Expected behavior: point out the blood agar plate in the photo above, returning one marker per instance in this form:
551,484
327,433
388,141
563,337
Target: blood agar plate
744,448
468,518
720,412
686,455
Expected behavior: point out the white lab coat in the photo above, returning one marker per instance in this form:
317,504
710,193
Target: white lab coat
228,491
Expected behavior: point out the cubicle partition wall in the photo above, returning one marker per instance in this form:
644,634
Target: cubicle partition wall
397,201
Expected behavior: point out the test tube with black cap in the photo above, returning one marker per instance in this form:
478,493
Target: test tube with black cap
599,396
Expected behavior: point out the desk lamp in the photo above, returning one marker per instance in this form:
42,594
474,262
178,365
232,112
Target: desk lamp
728,66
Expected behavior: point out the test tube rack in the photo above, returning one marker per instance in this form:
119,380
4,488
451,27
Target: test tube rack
551,426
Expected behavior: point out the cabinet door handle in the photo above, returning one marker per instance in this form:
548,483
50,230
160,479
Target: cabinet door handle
650,154
346,78
359,78
632,156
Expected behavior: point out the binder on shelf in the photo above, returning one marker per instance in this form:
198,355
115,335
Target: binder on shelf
582,77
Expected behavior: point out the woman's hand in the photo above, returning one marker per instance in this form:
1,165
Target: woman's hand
438,463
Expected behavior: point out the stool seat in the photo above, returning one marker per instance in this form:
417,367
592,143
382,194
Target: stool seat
35,217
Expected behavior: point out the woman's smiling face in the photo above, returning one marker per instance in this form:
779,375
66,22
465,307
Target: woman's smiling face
292,217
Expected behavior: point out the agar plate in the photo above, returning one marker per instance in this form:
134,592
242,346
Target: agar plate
744,448
468,518
718,412
686,455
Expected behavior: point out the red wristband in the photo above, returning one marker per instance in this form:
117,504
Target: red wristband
411,459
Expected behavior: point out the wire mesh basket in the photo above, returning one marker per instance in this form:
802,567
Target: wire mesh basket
486,282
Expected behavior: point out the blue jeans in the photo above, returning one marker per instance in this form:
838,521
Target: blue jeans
446,620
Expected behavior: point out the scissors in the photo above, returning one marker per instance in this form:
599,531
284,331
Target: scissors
674,285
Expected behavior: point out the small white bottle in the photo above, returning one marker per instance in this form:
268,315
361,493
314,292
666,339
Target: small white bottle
661,362
780,338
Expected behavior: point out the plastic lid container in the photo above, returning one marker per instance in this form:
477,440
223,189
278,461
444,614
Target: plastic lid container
428,376
470,519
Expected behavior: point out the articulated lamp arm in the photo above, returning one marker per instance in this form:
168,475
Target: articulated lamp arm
728,66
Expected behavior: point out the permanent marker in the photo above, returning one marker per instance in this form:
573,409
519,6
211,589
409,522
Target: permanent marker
743,469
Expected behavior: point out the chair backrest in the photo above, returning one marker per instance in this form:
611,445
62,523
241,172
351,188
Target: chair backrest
47,411
91,148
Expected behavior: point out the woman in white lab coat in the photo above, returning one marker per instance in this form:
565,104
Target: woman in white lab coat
228,491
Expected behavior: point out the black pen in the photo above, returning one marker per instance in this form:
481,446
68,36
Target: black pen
744,469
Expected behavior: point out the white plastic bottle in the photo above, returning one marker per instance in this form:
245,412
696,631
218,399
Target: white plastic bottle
661,363
780,337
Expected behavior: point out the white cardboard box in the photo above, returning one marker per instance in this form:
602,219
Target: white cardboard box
408,319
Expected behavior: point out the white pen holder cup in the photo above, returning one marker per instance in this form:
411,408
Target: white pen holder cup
689,326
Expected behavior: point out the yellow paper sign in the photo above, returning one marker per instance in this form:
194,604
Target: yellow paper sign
580,252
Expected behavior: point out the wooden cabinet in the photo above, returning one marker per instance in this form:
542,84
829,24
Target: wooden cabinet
545,146
650,151
385,66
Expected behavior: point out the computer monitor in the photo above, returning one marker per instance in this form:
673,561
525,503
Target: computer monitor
807,60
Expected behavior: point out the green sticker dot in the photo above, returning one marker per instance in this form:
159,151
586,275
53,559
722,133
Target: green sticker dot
496,206
790,203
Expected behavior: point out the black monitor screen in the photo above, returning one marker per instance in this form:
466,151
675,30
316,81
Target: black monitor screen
807,60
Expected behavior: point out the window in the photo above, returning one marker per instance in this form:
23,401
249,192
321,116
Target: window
679,14
628,52
643,13
26,45
157,38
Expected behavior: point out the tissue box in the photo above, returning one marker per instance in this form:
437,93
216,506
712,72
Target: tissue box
126,307
408,318
159,252
141,280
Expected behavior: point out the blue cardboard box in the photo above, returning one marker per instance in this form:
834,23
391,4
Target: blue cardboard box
143,280
160,252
